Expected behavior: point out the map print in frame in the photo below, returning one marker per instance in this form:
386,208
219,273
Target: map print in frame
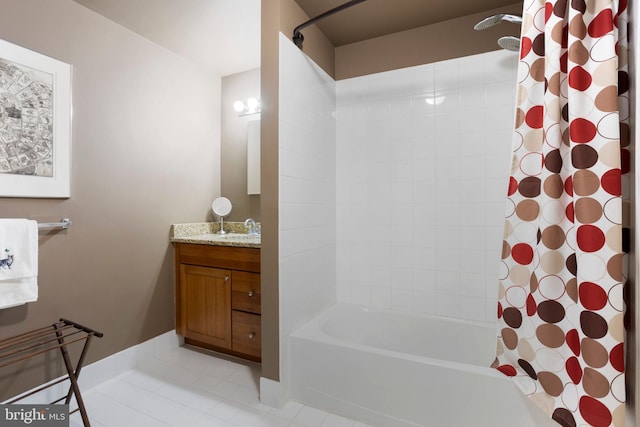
35,119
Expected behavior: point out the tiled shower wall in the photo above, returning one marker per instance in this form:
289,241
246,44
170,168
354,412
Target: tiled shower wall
307,191
422,161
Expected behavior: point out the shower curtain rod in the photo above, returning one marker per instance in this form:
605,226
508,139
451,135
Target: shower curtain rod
298,38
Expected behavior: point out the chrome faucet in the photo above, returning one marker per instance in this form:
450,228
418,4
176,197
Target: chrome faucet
250,225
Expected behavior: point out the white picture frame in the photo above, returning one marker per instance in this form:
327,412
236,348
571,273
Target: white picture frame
35,124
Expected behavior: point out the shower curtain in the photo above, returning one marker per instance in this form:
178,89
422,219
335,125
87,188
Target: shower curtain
560,302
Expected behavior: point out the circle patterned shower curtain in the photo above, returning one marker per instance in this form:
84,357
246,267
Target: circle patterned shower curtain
560,302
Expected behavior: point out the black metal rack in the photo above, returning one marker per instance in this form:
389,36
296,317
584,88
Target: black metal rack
59,335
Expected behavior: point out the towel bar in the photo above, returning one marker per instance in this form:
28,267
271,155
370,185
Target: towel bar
64,223
59,335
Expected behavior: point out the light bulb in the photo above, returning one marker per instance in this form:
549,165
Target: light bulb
238,106
252,104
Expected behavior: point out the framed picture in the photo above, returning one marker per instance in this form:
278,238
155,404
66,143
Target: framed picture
35,124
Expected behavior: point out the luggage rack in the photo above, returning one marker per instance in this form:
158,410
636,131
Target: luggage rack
40,341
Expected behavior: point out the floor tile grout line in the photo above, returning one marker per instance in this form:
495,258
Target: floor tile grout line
106,396
239,377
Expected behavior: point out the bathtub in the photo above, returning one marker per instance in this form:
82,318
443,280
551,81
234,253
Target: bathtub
400,370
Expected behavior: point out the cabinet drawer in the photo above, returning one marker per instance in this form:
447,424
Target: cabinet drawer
234,258
245,291
247,333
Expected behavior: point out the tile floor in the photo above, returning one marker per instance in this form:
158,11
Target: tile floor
186,387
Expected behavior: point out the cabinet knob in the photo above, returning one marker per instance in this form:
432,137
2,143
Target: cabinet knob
250,293
251,335
226,278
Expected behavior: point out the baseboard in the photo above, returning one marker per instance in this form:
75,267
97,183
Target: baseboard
271,393
105,369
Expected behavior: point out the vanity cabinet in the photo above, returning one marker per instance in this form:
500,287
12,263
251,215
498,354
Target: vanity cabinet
218,298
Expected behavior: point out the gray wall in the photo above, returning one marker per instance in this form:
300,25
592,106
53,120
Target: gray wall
423,45
146,130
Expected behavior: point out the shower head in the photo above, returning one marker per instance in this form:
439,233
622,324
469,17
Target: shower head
496,19
509,43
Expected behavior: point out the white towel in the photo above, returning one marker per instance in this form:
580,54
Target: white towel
18,262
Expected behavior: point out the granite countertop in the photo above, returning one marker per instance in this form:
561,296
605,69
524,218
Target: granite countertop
204,233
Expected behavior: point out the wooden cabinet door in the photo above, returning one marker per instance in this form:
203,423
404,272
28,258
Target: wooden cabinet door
205,299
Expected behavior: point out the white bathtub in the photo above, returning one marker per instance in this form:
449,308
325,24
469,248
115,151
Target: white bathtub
389,369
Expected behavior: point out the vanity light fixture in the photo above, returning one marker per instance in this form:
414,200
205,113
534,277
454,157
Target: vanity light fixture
252,106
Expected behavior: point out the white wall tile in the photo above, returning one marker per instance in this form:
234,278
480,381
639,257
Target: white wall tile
401,299
401,235
472,307
446,75
381,297
472,97
424,258
448,282
381,276
422,79
447,102
402,278
309,193
402,213
423,127
473,284
424,302
402,170
448,305
428,181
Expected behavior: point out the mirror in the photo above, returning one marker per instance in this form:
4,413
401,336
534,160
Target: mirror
253,157
221,207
